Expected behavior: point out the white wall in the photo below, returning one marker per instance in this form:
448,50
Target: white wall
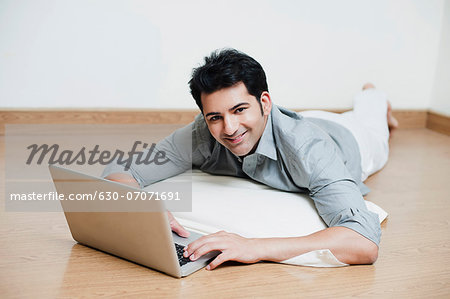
316,54
440,101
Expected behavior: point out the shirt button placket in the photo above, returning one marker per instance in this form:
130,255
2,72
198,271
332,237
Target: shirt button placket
249,165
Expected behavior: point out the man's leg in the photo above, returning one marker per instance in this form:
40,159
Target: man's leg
391,120
369,122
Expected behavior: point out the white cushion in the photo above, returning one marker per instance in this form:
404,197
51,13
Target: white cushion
255,210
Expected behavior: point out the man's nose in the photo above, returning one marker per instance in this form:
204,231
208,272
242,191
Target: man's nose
230,125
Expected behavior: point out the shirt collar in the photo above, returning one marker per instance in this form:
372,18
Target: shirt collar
266,145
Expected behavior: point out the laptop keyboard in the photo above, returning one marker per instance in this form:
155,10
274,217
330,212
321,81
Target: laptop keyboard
181,259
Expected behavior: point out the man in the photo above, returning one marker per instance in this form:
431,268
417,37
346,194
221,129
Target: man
241,133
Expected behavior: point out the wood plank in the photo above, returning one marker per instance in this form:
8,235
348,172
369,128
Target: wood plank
38,257
99,116
438,122
410,119
407,118
140,116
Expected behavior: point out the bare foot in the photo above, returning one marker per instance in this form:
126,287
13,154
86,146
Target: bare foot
392,121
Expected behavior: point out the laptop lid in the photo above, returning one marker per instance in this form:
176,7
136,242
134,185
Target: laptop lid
142,237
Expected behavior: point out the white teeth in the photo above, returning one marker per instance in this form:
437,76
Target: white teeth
236,137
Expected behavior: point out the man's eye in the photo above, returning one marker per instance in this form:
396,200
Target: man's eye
240,109
214,118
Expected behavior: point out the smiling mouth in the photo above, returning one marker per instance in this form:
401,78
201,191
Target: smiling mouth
236,139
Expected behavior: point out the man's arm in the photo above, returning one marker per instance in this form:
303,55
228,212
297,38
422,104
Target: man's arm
347,245
353,231
177,148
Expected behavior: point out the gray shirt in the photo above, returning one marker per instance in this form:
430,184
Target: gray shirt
294,154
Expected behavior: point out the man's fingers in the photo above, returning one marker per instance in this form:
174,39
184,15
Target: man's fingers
194,246
176,227
221,258
204,249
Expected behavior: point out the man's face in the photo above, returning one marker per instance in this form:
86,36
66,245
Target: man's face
234,117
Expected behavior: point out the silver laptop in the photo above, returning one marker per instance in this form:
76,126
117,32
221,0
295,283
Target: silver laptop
141,237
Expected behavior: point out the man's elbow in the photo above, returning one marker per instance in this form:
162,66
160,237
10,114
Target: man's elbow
368,254
372,254
363,252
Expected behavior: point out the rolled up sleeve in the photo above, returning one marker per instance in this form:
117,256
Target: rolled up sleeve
341,204
335,193
177,149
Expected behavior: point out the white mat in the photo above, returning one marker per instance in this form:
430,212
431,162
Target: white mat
254,210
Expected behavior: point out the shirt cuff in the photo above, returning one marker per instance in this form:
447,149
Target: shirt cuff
364,222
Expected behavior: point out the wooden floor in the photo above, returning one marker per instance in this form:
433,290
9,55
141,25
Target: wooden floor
38,257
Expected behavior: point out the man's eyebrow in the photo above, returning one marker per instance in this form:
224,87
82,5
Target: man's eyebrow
236,106
232,108
212,113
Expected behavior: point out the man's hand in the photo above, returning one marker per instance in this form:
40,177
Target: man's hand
177,227
347,246
124,179
232,246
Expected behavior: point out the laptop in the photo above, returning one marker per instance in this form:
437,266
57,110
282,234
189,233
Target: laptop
141,237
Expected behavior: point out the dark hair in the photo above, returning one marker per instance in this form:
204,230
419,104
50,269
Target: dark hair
225,68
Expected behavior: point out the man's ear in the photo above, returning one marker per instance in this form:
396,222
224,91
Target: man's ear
266,103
